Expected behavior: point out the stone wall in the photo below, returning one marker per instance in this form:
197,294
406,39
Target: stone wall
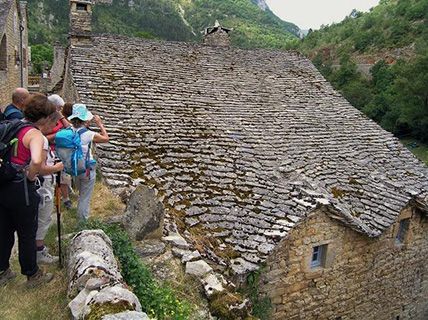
57,69
69,92
218,38
10,77
362,278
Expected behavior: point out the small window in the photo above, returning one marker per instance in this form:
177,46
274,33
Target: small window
318,256
402,231
82,7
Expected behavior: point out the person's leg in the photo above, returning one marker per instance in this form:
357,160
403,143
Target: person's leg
65,184
7,238
46,207
86,187
25,221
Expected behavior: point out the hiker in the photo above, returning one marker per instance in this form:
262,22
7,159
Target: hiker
19,198
14,110
80,119
65,183
46,205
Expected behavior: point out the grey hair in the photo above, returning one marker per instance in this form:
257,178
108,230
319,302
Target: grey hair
57,101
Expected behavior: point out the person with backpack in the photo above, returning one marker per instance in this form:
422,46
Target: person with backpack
14,110
46,205
19,200
74,146
62,123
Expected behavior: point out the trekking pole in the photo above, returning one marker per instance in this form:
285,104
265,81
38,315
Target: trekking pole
58,214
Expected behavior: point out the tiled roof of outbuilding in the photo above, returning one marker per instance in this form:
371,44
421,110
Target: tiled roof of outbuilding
244,143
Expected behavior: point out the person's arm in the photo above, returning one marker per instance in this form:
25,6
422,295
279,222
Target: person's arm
51,137
101,137
33,140
45,169
65,122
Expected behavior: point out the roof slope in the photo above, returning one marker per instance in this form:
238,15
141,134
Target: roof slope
244,143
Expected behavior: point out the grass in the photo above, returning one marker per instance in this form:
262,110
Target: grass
419,149
50,300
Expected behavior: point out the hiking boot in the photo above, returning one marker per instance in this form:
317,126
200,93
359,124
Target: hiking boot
68,204
44,257
6,276
38,279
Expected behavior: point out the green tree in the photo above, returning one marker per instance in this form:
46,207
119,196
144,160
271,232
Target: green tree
41,55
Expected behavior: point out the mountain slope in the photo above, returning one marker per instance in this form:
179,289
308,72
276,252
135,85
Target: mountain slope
390,25
181,20
390,44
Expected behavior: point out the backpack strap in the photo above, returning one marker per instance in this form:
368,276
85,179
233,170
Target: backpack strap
9,111
11,129
80,132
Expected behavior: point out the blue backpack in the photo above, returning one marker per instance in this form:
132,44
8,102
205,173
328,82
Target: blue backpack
68,147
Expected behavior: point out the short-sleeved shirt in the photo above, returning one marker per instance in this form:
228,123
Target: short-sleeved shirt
86,138
12,112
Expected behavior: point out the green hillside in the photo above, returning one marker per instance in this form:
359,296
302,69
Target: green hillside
393,37
181,20
176,20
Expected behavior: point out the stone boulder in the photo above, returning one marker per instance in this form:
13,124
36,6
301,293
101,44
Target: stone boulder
128,315
144,215
91,259
95,282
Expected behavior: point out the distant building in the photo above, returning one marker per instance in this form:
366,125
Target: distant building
260,162
13,48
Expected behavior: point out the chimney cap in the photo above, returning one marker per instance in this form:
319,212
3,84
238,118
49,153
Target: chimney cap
215,28
82,1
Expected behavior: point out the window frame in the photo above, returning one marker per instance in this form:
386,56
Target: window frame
321,252
402,231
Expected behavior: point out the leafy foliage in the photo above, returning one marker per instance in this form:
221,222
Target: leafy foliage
180,20
396,95
262,305
41,56
391,24
157,301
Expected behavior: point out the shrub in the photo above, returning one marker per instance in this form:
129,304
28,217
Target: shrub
157,300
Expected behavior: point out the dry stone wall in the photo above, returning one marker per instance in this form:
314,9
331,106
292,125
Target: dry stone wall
239,145
95,282
363,278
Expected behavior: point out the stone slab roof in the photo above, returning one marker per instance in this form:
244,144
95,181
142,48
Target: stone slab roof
241,144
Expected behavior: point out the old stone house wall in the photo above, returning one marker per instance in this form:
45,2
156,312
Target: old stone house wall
69,92
362,278
10,73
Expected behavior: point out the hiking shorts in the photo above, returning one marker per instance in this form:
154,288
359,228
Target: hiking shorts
65,179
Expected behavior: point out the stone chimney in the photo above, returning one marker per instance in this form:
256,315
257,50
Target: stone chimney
80,20
217,36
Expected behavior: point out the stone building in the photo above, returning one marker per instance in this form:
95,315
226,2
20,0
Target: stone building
13,48
261,163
